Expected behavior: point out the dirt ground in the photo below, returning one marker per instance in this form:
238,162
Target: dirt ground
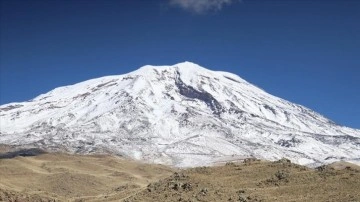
257,180
63,177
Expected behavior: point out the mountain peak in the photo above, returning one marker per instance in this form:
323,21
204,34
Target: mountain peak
188,64
182,66
182,114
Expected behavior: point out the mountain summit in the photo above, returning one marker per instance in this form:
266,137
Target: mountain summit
181,115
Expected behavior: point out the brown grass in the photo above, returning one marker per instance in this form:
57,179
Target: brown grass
257,181
62,177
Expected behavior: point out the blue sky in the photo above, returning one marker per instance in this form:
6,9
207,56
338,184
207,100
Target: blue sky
305,51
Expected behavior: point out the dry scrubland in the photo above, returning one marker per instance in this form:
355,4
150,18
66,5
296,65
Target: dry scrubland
62,177
255,180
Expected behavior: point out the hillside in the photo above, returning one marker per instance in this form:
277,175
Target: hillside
182,115
63,177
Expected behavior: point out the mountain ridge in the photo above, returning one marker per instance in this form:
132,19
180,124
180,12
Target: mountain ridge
182,115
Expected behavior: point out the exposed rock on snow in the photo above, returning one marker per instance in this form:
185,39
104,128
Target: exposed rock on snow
183,115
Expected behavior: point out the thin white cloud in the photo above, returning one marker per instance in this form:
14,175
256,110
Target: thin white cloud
201,6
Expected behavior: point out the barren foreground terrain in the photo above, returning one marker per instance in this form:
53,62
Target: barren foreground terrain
63,177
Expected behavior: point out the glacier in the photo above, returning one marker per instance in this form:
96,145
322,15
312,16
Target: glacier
182,115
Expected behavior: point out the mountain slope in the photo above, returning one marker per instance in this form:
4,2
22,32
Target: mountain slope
182,115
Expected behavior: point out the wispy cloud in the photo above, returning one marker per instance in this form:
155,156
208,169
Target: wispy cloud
201,6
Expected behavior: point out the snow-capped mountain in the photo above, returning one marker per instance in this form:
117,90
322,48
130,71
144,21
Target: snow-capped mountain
182,115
